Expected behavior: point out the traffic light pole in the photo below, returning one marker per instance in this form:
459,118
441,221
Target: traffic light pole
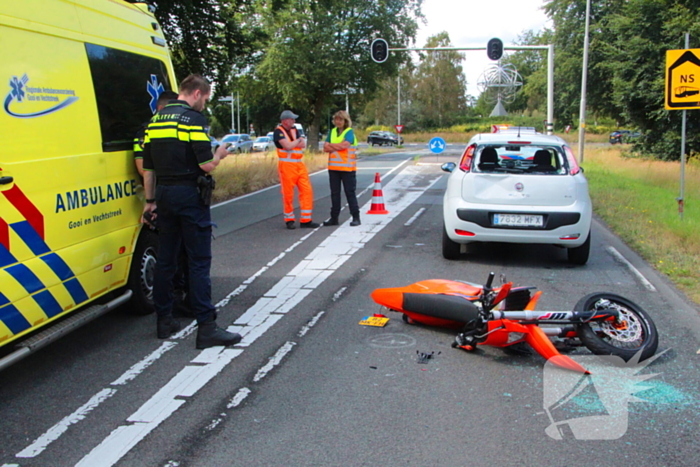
550,69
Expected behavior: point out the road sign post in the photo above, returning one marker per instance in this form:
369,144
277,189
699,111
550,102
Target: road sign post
682,93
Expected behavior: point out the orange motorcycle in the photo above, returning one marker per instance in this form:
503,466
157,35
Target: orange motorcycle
605,323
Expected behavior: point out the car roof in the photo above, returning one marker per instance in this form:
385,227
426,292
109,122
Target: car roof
514,137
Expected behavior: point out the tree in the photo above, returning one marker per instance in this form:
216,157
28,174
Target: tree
440,85
205,36
317,48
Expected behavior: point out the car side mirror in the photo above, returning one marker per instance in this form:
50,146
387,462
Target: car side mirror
448,166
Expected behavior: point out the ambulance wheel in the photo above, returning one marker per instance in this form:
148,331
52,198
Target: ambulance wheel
142,272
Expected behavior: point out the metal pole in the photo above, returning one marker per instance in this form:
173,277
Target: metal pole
681,197
347,103
584,75
233,116
398,94
550,89
238,104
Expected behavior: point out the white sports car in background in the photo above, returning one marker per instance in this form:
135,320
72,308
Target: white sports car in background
517,187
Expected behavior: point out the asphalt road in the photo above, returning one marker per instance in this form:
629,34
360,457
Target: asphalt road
309,386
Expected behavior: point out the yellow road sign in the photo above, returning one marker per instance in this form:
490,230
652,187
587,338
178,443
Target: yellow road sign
682,79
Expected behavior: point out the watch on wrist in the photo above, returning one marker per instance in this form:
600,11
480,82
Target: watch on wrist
153,200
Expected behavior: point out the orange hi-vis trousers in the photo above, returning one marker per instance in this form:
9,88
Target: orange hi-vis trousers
293,173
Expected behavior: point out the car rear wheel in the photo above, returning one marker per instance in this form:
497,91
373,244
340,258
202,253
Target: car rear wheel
450,248
579,255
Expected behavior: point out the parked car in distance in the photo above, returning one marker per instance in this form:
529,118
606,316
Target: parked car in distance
384,137
263,143
238,143
623,136
517,188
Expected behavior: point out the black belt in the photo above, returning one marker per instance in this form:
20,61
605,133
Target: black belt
176,182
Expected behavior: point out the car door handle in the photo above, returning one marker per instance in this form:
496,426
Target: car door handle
6,180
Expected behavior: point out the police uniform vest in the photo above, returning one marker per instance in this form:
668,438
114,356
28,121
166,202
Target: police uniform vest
345,159
291,155
178,143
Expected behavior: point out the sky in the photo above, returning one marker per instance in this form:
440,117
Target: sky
471,23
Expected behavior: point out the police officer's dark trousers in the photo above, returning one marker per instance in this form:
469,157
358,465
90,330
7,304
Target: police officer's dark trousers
183,219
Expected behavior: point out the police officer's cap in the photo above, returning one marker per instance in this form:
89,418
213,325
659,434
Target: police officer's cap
288,114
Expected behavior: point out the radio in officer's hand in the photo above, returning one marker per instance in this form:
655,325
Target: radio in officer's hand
151,218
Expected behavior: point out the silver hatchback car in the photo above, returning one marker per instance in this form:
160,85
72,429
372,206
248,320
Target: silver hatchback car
517,187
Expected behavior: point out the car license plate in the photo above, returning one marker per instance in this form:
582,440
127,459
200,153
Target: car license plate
518,220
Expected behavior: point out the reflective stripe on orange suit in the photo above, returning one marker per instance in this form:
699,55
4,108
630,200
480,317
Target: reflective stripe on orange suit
345,159
293,173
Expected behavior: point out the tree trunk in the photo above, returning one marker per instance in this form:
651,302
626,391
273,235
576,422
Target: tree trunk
315,126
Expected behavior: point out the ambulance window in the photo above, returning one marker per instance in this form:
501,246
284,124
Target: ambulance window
125,84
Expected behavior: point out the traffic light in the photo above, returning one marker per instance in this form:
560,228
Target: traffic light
379,50
494,49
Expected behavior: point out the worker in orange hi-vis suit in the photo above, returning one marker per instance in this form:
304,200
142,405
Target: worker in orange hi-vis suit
293,173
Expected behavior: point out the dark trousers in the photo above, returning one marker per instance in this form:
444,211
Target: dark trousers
183,220
349,181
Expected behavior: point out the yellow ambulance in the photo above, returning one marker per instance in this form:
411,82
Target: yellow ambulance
77,79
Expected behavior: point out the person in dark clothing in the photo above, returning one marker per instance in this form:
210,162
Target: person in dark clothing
180,281
177,154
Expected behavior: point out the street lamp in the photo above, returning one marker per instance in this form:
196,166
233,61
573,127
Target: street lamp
233,113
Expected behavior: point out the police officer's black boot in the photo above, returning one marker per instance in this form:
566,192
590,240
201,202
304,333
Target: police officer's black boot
355,220
210,335
167,326
330,222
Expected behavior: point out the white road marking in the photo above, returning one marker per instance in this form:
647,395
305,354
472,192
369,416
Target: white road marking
618,256
53,433
415,216
238,398
310,324
58,429
274,361
138,368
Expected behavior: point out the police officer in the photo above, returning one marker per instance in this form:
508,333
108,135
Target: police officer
181,298
177,152
163,100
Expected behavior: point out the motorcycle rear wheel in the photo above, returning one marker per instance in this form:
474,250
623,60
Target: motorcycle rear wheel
632,332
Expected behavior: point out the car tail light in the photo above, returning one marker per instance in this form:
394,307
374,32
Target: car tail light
521,143
466,162
573,165
570,237
464,233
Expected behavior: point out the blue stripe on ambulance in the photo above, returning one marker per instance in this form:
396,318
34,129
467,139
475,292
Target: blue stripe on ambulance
9,314
30,236
12,318
6,257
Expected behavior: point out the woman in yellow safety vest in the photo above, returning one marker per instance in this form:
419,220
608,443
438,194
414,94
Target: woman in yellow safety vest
341,146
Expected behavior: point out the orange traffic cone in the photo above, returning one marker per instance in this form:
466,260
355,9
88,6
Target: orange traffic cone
377,198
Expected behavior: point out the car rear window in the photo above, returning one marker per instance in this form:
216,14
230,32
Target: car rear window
525,159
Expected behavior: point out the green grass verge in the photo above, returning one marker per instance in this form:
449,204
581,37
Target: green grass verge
638,200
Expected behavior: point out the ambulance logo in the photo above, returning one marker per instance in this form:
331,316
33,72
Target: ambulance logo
35,99
154,88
